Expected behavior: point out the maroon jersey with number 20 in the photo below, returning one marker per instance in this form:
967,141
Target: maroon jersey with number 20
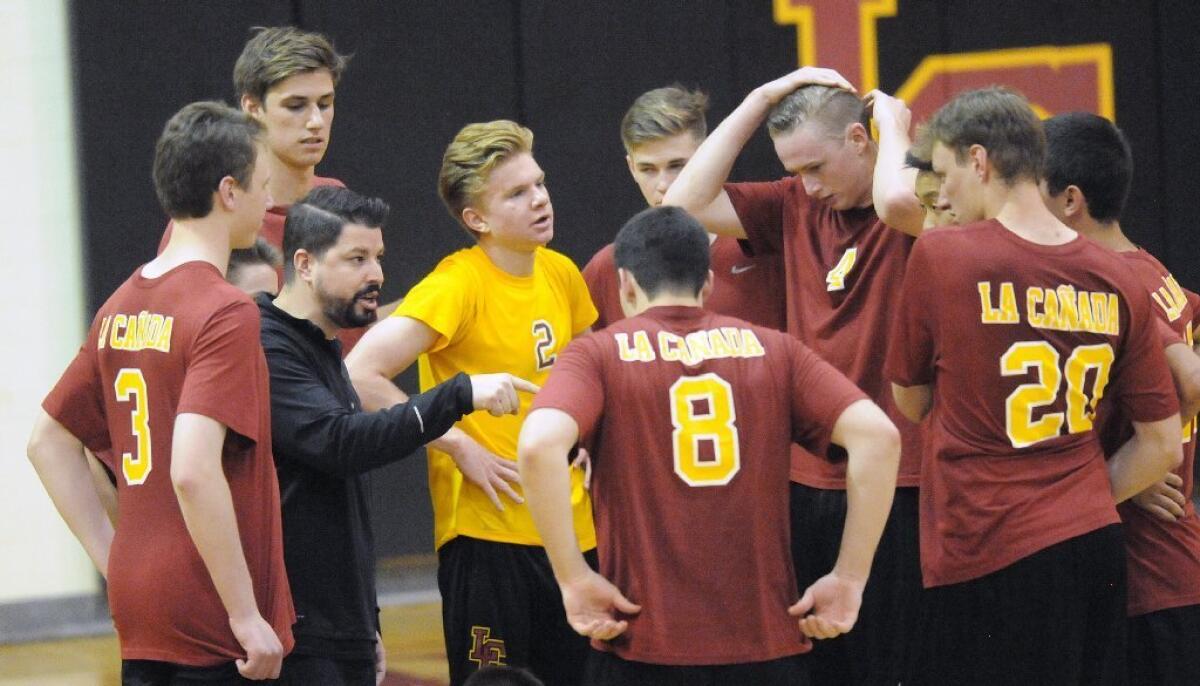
1020,342
690,414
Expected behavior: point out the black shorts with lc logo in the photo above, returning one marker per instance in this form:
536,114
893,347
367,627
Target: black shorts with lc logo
501,606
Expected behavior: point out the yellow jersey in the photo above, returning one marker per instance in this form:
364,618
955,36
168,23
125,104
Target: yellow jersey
489,321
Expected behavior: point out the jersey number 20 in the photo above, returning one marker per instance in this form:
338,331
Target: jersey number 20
130,385
702,411
1020,358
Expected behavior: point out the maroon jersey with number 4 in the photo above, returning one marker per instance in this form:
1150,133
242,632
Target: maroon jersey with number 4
185,342
843,271
745,286
1163,558
690,414
1019,341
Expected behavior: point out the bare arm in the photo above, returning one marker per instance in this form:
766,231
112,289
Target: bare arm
1152,451
699,186
1185,370
385,351
207,508
913,401
873,445
591,601
893,186
105,488
59,460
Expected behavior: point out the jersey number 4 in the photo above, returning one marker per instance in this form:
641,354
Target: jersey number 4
130,386
1021,358
702,412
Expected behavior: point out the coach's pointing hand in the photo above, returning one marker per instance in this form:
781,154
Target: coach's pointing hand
497,393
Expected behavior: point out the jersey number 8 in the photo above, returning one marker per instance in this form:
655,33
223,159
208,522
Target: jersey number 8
713,424
131,385
1020,358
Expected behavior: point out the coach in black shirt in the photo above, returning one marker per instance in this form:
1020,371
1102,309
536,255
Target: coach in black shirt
324,443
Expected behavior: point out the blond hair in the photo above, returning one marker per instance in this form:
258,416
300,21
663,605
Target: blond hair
662,113
470,158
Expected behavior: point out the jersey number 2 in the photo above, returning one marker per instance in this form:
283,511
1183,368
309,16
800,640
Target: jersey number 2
713,424
130,386
1020,358
543,333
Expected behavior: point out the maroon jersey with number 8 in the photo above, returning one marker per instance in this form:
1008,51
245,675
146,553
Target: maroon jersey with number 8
691,415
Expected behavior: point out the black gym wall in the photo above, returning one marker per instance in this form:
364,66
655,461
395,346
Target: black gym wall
568,69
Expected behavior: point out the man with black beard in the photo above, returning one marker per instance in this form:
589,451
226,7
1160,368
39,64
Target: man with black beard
324,443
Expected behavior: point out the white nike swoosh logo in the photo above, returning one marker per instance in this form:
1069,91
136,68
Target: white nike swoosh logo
740,268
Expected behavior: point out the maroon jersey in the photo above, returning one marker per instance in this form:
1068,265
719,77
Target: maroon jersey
744,286
690,414
1019,341
1163,558
186,341
843,271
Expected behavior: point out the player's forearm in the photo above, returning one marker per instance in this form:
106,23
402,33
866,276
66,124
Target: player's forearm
546,480
1145,458
874,458
701,180
60,463
893,184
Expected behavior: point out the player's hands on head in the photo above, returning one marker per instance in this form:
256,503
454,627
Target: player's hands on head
592,605
887,110
777,90
488,471
497,393
829,608
1164,500
264,651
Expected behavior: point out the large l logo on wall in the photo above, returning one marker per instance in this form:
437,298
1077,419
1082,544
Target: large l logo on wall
842,34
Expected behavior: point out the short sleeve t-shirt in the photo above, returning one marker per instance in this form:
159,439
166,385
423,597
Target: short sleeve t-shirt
489,321
745,286
184,342
1019,341
843,270
690,414
1163,558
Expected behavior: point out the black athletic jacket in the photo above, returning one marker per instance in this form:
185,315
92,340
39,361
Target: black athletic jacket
324,444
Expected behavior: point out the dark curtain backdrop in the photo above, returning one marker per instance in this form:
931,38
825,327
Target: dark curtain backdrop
568,69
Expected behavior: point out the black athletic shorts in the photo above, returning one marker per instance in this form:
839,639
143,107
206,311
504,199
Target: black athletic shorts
501,606
1054,617
879,649
606,669
303,670
1164,647
155,673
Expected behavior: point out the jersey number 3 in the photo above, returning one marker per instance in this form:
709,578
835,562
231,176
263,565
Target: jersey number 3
130,386
702,412
1020,358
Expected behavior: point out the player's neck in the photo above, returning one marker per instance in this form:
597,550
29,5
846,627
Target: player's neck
193,240
1108,234
297,299
671,300
516,262
1020,209
288,183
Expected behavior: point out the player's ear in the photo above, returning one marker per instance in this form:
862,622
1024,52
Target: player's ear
858,136
707,289
1074,202
251,105
224,193
302,264
629,161
474,221
977,156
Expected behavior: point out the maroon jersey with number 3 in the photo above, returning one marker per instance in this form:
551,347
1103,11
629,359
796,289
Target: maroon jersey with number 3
1019,341
690,414
185,342
1163,558
843,271
745,286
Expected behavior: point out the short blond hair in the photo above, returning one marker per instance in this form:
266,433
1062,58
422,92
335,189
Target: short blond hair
662,113
470,158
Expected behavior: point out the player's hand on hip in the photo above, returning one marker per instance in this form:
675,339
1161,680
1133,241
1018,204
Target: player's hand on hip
593,603
777,90
488,471
264,652
1164,500
887,110
829,607
497,393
